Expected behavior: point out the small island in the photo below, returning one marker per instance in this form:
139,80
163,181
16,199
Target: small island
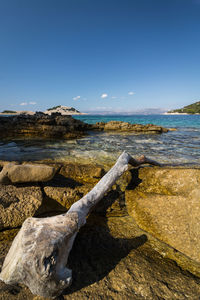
63,110
8,112
191,109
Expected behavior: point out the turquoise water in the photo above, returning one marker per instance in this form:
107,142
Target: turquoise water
192,121
174,147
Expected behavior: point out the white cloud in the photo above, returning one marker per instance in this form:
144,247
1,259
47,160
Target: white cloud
113,97
32,103
24,103
131,93
104,96
76,98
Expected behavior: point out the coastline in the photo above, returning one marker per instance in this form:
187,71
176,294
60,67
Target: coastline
119,225
31,113
176,114
123,223
174,147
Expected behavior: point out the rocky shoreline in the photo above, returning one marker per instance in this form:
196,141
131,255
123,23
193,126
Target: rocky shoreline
140,242
66,127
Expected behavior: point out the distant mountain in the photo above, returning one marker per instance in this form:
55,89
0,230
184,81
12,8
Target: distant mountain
189,109
64,110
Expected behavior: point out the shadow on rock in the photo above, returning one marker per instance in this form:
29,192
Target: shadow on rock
61,181
95,253
135,180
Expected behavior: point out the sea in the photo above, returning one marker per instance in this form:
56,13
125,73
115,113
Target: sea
179,147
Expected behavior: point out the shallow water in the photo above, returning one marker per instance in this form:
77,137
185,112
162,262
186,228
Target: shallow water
176,147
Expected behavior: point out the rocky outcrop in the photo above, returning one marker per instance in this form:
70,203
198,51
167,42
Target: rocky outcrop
63,126
26,173
125,126
166,203
72,182
42,126
17,203
163,201
112,257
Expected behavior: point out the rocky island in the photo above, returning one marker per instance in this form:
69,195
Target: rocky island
63,110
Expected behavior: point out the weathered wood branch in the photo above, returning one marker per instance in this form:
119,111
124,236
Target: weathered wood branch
39,253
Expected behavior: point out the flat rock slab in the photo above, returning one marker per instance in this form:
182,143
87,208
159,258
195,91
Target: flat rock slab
113,260
166,203
17,204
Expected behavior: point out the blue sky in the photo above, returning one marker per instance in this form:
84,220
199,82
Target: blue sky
115,55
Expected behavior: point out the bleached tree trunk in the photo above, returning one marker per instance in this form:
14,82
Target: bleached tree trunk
39,253
85,204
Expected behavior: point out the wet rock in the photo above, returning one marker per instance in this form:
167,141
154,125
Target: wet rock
63,126
166,204
17,203
41,125
26,173
125,126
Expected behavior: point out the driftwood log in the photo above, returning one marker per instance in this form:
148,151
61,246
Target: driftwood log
39,253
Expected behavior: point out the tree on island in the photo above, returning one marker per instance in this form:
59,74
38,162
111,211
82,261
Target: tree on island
9,112
189,109
64,108
54,107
